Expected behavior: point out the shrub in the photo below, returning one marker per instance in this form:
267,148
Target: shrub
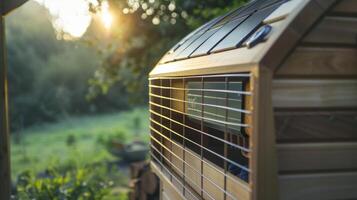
71,140
82,184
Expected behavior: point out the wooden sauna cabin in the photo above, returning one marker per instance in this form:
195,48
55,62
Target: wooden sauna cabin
260,104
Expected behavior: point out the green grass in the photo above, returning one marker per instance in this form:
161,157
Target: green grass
45,146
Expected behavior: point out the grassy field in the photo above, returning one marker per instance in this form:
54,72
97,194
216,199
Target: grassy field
74,141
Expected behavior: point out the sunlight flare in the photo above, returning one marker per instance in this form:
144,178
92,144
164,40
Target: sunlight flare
71,18
106,16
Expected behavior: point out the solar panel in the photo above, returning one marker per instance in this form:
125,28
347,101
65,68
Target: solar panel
226,32
217,37
188,51
243,31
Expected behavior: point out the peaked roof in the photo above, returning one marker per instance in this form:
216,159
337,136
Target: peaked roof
227,35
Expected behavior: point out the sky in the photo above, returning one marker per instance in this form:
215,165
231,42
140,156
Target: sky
71,18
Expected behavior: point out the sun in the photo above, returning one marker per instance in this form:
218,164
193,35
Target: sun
71,18
106,16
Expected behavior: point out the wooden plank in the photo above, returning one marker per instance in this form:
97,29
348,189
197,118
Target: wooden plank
316,127
317,156
212,173
325,3
9,5
242,192
5,186
194,179
334,31
263,162
313,93
308,61
318,186
215,190
165,184
346,7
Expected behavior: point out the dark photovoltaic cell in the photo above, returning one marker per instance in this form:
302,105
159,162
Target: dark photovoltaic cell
230,17
243,31
217,37
195,35
185,45
188,51
202,29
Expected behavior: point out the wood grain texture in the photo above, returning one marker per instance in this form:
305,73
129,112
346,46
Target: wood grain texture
325,3
316,128
313,93
308,61
318,186
165,184
264,159
346,7
334,31
303,157
5,186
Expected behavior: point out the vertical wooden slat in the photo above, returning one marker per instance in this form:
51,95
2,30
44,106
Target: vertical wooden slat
5,180
264,160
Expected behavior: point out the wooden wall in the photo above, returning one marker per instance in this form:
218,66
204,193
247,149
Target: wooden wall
315,102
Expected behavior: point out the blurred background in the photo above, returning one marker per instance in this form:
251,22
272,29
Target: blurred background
78,89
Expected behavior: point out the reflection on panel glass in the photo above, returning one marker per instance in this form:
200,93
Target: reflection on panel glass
216,103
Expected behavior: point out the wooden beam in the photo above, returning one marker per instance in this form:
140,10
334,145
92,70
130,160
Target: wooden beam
264,177
5,188
297,127
339,185
314,93
9,5
346,7
334,31
305,157
320,62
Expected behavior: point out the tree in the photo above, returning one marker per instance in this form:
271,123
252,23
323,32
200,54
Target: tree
143,32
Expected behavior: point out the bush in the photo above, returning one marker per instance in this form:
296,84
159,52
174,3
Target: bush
81,184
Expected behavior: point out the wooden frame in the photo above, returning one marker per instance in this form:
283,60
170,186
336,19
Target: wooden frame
5,186
5,176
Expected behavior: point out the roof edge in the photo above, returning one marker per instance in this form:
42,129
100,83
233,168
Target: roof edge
9,5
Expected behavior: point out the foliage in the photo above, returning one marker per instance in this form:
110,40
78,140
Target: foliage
48,78
143,32
86,183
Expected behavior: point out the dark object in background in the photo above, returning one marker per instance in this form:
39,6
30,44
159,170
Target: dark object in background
133,152
144,183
